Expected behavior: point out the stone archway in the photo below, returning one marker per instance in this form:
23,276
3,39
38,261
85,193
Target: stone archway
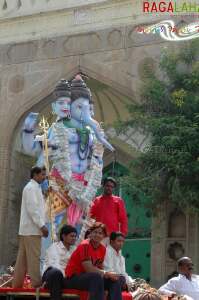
29,71
29,77
19,164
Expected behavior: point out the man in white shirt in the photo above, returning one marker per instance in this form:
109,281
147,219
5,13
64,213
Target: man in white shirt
31,229
56,259
114,261
185,284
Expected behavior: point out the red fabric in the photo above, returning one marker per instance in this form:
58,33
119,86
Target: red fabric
126,296
111,211
85,251
79,177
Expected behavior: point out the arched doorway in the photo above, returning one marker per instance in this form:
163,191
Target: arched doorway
110,106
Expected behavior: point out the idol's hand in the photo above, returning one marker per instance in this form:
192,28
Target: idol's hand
31,122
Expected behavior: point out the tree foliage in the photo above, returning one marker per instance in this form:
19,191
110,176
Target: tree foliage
168,169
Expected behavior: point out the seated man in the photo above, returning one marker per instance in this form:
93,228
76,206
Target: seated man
114,261
185,283
57,257
85,268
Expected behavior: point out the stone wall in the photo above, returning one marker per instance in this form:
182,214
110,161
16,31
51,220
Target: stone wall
29,73
174,234
22,8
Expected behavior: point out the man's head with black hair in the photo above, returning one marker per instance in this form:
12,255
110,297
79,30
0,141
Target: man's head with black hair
68,235
38,174
87,234
109,184
111,179
185,266
117,240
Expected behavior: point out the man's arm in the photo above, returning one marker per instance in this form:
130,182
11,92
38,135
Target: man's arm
129,280
89,268
32,206
108,261
123,217
93,209
52,258
169,288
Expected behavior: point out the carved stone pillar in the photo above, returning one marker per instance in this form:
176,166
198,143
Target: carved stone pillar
158,247
4,174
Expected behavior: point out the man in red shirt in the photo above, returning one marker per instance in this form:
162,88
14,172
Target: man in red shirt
110,209
84,270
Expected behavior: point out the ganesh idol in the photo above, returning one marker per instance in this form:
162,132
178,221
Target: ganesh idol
75,146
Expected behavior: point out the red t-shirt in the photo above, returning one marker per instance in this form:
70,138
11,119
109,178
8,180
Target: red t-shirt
111,211
85,251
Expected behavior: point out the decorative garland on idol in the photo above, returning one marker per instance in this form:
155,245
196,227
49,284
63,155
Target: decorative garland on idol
77,190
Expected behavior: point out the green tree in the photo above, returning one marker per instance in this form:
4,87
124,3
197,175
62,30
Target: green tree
168,169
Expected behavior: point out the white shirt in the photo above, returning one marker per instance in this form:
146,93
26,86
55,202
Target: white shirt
115,262
32,209
182,286
57,256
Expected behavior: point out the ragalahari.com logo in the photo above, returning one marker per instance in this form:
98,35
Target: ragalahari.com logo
170,7
168,31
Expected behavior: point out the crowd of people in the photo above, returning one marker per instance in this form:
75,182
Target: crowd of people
95,264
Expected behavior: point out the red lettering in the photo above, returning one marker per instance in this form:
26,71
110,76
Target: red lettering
174,29
162,6
170,7
145,6
140,29
154,7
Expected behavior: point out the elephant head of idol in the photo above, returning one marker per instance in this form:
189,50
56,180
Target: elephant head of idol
81,109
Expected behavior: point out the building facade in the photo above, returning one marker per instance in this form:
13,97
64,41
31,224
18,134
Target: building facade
44,41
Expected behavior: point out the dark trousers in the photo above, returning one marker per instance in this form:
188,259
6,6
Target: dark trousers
95,284
54,280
